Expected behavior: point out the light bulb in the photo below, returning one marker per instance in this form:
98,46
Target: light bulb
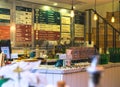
113,19
72,13
95,17
55,4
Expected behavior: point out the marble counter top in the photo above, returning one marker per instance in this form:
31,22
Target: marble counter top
54,70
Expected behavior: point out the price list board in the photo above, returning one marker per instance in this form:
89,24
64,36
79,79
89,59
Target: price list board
46,17
4,32
65,27
23,24
79,26
4,15
65,20
53,17
23,15
46,25
23,33
79,32
79,18
40,16
47,35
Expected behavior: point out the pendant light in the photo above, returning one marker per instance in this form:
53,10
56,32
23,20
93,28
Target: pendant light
72,10
113,18
95,15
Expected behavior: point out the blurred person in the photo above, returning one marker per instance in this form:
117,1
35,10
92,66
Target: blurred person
2,58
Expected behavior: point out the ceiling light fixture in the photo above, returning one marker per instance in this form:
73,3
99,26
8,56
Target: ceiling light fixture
112,18
95,14
72,10
46,8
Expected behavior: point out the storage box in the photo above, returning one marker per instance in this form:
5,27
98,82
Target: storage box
81,52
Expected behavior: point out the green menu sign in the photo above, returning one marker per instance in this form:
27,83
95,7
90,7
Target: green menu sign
40,16
4,15
53,17
4,11
46,17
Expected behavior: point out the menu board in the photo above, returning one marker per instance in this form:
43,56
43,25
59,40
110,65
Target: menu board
46,25
47,31
79,32
66,28
23,24
40,16
4,32
53,17
65,35
65,20
79,18
47,35
46,17
23,15
4,15
23,33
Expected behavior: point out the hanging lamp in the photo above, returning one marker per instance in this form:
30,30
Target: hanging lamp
113,18
95,14
72,10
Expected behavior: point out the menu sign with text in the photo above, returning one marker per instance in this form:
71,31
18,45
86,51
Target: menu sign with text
79,32
40,16
4,32
23,33
46,17
23,15
4,15
79,18
65,35
23,24
65,27
46,25
65,20
53,17
47,35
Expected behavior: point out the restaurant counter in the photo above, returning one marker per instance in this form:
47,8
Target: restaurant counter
78,77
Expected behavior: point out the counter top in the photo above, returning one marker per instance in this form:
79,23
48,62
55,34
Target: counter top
54,70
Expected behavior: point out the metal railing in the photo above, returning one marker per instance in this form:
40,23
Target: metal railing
107,25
